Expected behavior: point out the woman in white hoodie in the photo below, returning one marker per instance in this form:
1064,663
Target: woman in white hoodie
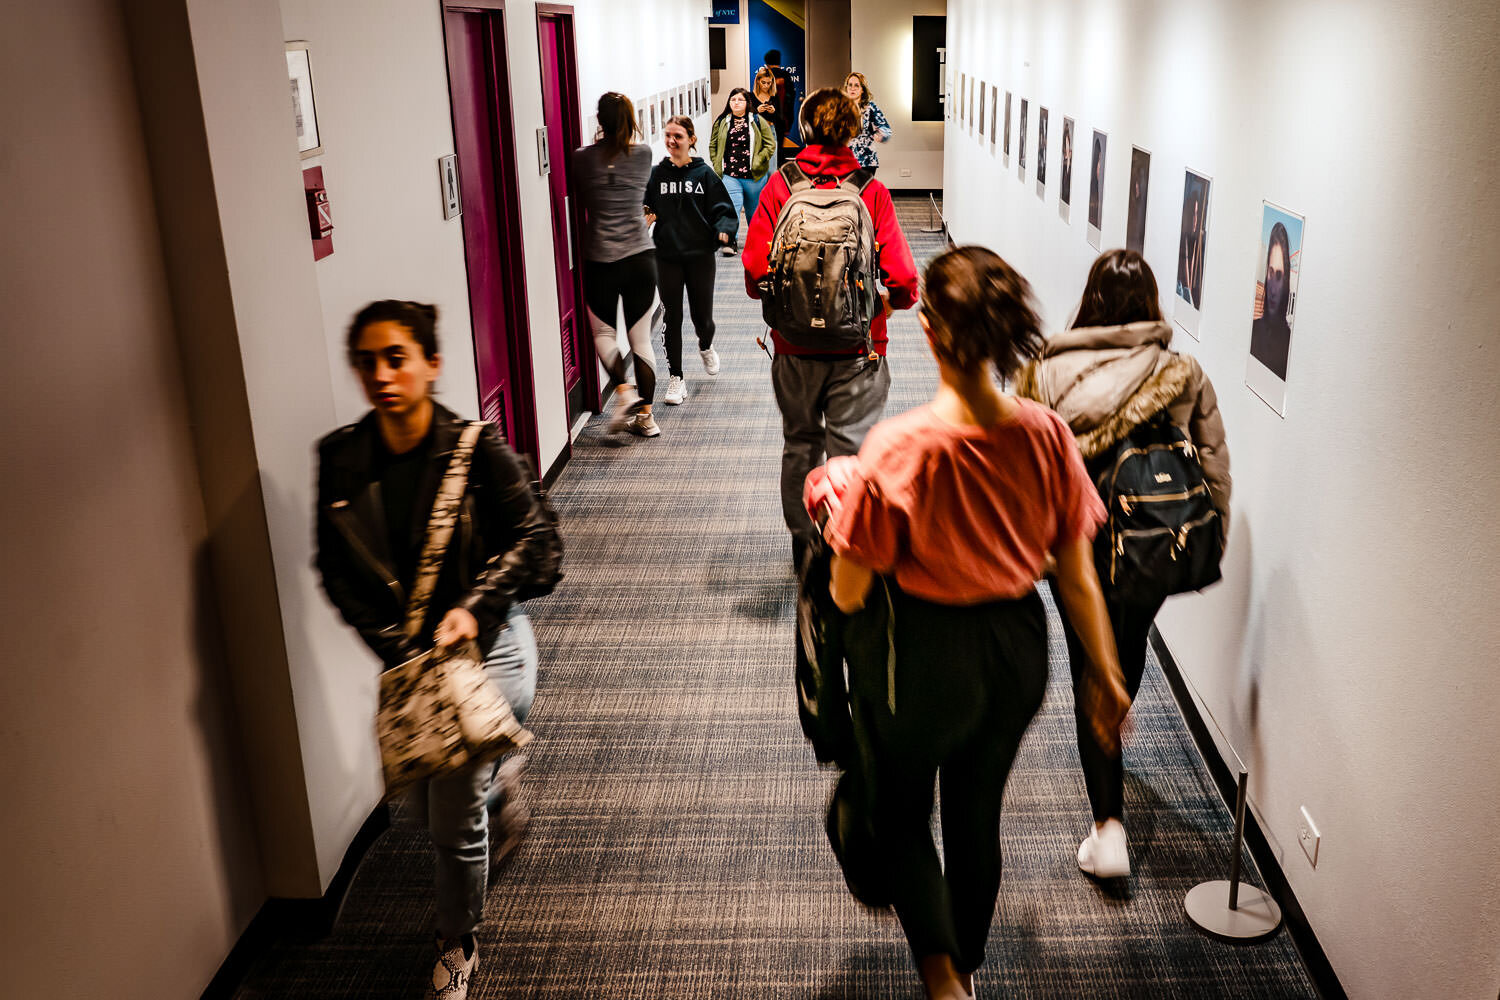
1110,372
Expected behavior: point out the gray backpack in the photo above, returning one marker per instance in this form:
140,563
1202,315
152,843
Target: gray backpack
819,292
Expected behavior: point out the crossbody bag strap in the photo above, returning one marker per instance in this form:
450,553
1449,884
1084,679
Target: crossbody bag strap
440,528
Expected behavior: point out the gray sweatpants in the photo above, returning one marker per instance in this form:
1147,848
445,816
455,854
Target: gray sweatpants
827,407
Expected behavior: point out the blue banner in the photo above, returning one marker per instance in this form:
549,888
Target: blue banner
772,29
725,12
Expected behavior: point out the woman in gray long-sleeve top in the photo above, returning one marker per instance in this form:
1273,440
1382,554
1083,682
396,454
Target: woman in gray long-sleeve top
619,263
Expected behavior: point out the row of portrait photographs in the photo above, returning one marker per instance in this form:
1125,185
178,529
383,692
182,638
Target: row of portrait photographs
1279,260
652,113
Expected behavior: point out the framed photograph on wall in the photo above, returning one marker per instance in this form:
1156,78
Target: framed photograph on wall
304,109
1005,148
1192,248
994,119
1041,152
963,88
651,106
1096,187
983,89
1065,183
1021,139
1140,187
1278,273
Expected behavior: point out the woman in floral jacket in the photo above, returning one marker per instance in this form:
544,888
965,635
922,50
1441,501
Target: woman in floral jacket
873,126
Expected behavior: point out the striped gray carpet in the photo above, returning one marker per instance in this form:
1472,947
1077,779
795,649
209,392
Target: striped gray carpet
677,848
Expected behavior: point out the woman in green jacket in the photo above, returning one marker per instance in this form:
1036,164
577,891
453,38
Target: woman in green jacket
740,146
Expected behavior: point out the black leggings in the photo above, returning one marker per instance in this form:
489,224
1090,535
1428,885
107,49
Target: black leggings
1103,772
605,284
696,273
968,682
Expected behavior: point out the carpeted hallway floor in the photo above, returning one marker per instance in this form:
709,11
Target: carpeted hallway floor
677,846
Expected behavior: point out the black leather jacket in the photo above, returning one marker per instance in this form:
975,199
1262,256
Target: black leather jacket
505,547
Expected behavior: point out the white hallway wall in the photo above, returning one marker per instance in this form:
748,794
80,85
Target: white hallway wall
1350,651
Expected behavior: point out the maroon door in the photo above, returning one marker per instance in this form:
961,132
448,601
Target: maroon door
479,86
560,111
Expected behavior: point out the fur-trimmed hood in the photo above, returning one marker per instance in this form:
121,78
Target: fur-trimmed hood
1105,380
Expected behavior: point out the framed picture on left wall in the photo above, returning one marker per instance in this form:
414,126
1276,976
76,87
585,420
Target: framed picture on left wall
304,110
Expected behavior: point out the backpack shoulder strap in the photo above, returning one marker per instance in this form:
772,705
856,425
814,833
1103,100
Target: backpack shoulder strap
440,527
858,181
796,178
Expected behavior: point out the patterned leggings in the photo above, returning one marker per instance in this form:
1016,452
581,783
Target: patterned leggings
605,285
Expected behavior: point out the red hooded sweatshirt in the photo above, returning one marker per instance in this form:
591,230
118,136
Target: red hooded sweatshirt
827,165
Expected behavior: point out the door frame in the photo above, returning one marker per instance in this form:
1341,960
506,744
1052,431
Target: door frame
525,437
588,358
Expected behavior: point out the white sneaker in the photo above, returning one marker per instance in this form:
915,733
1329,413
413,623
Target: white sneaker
676,390
644,425
710,361
1103,853
626,399
452,972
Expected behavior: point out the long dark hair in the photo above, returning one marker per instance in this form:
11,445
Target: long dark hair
980,309
750,111
617,125
1279,238
1120,289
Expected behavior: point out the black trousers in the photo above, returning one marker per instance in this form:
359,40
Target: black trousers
1103,772
695,273
968,681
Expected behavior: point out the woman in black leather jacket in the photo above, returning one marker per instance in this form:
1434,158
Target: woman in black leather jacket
377,481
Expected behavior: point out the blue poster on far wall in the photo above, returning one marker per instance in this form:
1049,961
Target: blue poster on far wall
780,25
725,12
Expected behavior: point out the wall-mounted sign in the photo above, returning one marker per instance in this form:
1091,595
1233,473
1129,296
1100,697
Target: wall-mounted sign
448,173
543,161
304,111
725,12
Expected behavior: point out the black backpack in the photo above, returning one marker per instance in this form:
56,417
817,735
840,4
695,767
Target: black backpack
1163,536
819,292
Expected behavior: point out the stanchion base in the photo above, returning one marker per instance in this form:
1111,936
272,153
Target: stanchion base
1257,916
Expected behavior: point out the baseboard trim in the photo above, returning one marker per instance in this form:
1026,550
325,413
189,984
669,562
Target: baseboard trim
304,920
1306,941
558,464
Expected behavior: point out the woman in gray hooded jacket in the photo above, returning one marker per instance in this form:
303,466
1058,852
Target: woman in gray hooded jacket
1107,374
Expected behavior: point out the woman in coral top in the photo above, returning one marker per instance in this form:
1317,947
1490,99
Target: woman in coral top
958,506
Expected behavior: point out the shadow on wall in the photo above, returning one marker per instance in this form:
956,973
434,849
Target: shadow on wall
1275,615
219,728
341,697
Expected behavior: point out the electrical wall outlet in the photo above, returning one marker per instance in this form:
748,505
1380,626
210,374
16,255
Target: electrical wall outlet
906,171
1308,837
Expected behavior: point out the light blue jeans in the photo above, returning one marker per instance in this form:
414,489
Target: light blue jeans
453,807
745,194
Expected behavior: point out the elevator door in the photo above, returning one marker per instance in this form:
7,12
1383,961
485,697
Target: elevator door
561,113
479,88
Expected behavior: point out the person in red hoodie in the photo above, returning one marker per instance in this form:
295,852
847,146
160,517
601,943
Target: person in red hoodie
828,401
